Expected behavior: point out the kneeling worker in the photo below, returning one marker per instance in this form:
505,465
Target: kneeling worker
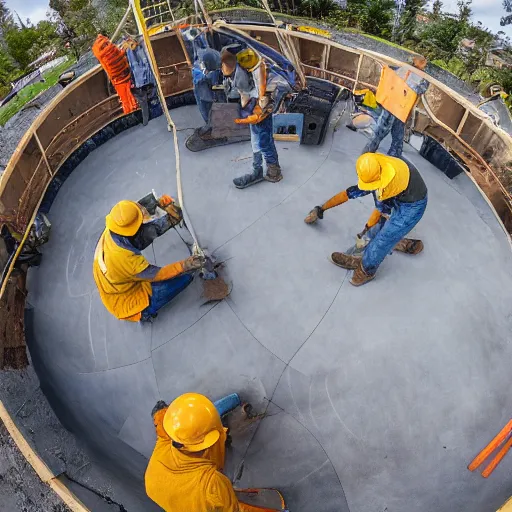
401,193
184,471
129,286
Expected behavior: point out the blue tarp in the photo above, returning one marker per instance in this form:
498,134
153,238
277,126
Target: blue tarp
281,65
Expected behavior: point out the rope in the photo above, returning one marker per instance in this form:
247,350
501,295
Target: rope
289,50
116,33
172,126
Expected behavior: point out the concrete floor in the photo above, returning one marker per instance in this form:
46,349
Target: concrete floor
377,397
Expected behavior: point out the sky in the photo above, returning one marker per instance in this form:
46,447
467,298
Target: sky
488,12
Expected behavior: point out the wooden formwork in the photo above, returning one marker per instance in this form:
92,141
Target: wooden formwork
90,103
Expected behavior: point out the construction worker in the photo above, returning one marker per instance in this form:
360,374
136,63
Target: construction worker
400,196
205,74
261,90
387,122
184,471
129,286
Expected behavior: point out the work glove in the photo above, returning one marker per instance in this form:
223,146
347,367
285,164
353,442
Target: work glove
165,201
172,209
193,263
315,214
256,117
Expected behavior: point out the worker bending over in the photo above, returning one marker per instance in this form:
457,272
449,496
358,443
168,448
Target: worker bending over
184,471
400,198
261,90
387,122
129,286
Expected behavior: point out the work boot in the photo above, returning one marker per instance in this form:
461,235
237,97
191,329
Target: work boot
409,246
360,277
274,174
249,179
346,261
205,132
257,173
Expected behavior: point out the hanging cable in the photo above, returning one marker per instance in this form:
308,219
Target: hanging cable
172,126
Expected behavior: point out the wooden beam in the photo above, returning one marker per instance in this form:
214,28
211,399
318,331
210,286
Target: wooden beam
39,466
43,153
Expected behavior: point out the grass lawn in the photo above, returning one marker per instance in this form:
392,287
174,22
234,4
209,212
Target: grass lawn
51,77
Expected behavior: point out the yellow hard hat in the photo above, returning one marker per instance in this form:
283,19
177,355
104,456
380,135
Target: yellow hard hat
373,176
193,421
125,218
248,58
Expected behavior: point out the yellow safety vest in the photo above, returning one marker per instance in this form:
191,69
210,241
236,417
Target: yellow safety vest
115,270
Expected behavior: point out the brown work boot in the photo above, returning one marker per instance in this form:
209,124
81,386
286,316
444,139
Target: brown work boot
409,246
360,277
274,173
345,260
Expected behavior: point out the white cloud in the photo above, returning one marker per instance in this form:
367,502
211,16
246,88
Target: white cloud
34,10
489,12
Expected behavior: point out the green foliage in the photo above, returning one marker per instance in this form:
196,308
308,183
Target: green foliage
455,66
371,16
437,7
5,15
77,22
408,23
51,77
507,20
20,43
7,70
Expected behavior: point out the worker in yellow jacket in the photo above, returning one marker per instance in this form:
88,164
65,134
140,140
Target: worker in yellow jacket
400,196
129,286
184,471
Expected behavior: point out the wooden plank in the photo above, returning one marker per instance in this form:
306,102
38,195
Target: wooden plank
42,470
43,153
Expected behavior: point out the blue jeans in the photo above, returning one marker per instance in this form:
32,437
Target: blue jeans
403,218
204,106
164,292
387,122
227,404
262,139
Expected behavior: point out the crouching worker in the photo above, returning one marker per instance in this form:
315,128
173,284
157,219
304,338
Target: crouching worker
184,471
400,198
129,286
261,90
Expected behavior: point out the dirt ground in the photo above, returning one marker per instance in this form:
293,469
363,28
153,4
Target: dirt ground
20,487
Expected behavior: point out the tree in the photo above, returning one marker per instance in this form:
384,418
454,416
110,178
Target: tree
20,43
507,20
408,19
7,70
77,22
437,9
465,11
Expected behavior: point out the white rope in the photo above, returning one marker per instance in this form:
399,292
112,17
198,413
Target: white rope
172,126
288,49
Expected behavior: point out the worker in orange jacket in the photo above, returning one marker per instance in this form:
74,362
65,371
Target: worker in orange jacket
185,470
129,286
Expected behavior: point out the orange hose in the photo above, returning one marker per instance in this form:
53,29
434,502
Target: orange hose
499,457
505,431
